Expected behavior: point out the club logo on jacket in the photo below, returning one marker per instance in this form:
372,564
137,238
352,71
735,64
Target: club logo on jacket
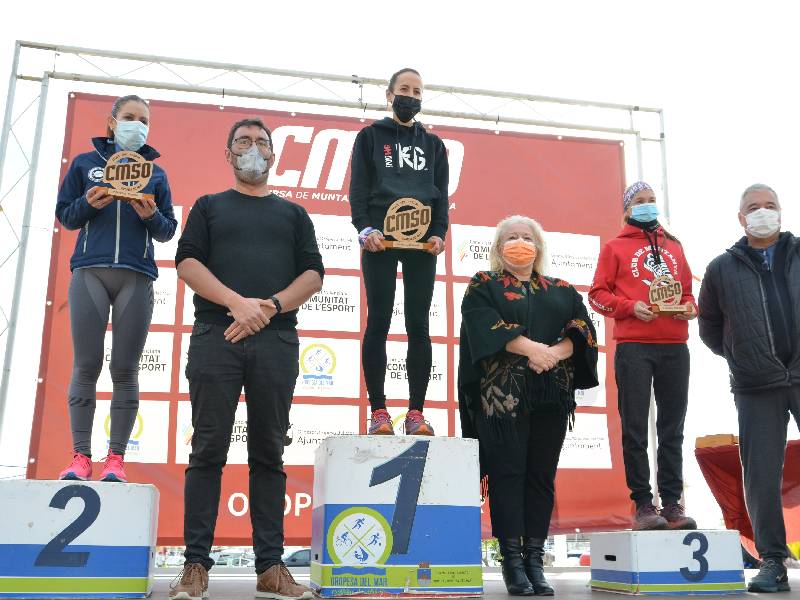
409,156
645,268
95,174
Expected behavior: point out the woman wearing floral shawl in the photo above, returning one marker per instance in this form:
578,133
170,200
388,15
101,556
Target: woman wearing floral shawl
526,345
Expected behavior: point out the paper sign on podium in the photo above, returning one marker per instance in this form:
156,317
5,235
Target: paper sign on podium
396,516
75,539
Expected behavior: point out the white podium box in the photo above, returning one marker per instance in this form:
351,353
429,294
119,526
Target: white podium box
396,516
75,539
667,562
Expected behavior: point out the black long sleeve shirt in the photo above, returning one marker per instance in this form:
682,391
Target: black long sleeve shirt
255,245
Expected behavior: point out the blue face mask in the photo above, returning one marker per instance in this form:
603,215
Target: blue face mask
644,213
130,135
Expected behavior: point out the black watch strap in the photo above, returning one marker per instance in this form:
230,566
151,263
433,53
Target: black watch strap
277,304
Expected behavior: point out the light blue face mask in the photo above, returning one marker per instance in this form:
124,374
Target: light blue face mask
644,213
130,135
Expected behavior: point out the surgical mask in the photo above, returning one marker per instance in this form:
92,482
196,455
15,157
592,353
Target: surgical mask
130,135
644,213
405,107
251,165
763,223
519,253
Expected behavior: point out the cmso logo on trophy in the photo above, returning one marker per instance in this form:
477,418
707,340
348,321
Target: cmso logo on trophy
128,173
407,221
665,295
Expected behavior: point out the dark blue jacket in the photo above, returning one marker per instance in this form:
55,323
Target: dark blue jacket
114,235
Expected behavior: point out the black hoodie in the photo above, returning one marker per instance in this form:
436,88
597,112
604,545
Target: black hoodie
392,161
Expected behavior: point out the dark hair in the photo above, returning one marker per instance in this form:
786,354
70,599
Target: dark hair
118,103
252,122
393,78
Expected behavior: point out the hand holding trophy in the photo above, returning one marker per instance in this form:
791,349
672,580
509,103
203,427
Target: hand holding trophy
407,221
665,296
129,173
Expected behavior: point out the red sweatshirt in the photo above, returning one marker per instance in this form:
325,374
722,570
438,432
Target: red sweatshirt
625,270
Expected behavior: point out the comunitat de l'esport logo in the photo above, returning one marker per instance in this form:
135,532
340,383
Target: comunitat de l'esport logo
409,156
318,362
644,267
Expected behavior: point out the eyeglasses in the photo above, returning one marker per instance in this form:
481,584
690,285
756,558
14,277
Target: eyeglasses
244,143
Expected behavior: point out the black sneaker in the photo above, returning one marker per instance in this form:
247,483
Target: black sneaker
771,577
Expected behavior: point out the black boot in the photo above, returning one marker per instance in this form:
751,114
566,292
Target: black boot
514,576
533,557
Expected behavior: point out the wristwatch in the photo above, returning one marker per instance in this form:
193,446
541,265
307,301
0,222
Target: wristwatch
277,303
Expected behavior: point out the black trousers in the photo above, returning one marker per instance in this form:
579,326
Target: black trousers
665,369
266,365
763,420
521,466
380,279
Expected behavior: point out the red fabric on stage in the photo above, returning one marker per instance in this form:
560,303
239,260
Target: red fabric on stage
723,472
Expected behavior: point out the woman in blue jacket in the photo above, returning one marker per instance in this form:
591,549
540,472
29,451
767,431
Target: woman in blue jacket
112,266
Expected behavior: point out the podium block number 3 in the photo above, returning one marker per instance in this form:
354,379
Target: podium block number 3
409,467
698,555
53,555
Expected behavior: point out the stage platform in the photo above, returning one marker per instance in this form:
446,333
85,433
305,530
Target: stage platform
571,583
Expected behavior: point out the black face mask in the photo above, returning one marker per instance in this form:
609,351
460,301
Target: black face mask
405,107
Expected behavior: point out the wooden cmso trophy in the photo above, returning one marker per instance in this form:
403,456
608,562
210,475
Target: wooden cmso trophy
407,221
127,179
665,296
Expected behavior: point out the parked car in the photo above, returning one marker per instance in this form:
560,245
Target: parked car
298,558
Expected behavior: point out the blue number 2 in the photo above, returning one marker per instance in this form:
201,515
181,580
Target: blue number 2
53,555
409,466
698,555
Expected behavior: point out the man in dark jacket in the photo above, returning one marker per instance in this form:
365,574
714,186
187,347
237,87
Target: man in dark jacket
750,313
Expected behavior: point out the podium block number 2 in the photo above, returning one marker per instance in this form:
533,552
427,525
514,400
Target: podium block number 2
53,555
409,467
698,555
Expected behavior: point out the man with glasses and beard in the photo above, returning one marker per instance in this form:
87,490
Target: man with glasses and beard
251,258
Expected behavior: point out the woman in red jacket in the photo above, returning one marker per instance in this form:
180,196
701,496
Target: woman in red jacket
651,353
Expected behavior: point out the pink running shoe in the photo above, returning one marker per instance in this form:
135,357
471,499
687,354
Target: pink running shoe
114,469
80,469
415,424
380,423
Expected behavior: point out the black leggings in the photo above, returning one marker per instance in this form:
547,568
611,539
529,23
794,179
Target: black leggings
380,278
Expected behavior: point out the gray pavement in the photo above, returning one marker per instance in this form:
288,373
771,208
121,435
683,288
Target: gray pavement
572,583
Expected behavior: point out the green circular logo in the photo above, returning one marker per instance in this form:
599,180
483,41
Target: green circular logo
359,536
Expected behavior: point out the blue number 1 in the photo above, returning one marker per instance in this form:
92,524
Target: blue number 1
409,466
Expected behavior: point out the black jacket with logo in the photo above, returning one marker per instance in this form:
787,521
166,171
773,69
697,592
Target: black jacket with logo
749,314
391,161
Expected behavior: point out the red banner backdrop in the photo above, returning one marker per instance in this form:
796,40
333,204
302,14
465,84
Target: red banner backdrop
571,186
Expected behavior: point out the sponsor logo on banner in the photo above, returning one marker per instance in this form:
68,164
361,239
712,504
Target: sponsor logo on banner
155,364
148,439
397,373
336,307
164,293
318,362
437,313
312,423
328,367
472,244
337,241
573,257
586,446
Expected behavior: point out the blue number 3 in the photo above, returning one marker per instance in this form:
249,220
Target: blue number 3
409,466
698,555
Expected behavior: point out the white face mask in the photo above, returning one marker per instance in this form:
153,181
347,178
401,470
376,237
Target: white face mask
763,223
251,165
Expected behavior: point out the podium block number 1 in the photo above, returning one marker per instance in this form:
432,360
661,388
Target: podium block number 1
409,467
698,555
53,555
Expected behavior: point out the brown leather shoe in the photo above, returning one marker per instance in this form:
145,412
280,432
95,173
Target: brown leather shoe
276,582
676,517
193,584
647,518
